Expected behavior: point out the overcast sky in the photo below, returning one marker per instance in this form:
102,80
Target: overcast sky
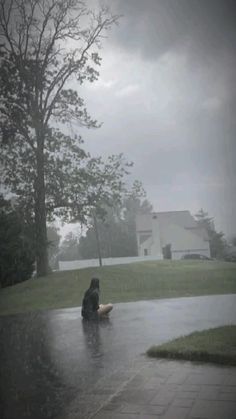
166,96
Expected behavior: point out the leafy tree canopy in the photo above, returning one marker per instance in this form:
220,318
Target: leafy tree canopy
46,47
216,239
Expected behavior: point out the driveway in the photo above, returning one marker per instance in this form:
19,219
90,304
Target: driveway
52,361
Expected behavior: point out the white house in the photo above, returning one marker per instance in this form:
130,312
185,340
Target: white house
170,235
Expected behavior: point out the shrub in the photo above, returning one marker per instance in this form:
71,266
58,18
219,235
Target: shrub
16,250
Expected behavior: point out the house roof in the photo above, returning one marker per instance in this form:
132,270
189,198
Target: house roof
181,218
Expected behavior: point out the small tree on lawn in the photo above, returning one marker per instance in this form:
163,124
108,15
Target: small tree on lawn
117,229
44,44
216,240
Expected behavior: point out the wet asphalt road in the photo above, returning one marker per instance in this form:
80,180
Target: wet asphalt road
51,359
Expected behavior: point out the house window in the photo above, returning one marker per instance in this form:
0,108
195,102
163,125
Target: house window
145,252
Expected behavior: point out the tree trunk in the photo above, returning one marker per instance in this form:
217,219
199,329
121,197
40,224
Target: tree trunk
97,239
40,214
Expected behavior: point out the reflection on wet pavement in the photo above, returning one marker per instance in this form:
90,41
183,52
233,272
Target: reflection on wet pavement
53,360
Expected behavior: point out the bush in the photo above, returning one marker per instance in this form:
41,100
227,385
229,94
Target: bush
16,250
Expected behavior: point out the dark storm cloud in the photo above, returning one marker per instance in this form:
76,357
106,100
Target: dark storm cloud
152,27
167,96
206,31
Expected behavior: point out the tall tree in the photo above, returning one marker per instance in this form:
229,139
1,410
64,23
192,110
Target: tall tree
216,240
44,44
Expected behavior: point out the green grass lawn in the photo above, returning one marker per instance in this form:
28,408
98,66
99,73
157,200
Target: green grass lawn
120,283
213,345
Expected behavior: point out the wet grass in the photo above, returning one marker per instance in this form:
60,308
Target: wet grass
121,283
216,345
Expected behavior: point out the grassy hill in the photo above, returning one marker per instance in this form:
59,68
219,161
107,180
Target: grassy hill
121,283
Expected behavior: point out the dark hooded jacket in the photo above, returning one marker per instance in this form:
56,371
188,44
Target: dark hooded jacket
90,302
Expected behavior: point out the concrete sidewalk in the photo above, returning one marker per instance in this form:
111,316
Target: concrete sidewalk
174,390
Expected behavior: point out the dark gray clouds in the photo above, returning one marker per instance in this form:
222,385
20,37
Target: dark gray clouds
167,96
156,26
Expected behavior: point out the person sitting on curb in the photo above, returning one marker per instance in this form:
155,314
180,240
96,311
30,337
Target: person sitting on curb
91,309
